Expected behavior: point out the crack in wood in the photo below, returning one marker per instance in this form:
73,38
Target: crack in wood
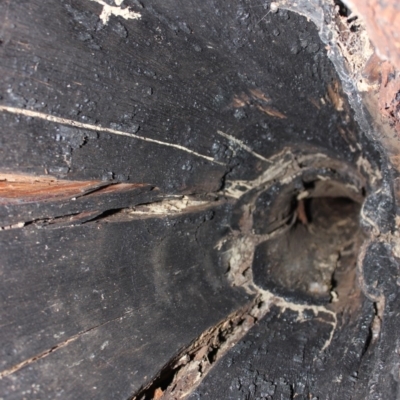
25,189
172,205
99,128
65,220
58,346
242,145
184,373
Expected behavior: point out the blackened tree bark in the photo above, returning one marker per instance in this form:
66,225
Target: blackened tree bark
195,184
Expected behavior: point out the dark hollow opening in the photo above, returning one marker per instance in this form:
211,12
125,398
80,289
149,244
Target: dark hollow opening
319,249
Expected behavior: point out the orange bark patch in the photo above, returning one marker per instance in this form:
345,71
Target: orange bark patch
23,188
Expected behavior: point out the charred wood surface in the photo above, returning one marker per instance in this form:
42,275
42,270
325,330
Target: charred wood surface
193,204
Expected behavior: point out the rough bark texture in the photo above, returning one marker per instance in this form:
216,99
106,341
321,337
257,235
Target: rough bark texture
199,200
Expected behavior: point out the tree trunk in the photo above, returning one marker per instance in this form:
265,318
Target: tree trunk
199,200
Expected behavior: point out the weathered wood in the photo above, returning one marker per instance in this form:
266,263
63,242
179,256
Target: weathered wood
105,279
139,290
177,75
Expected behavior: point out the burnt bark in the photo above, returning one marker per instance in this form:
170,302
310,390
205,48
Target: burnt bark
197,200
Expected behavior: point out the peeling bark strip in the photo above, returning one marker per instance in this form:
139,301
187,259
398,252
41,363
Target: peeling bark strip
45,200
23,192
99,128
